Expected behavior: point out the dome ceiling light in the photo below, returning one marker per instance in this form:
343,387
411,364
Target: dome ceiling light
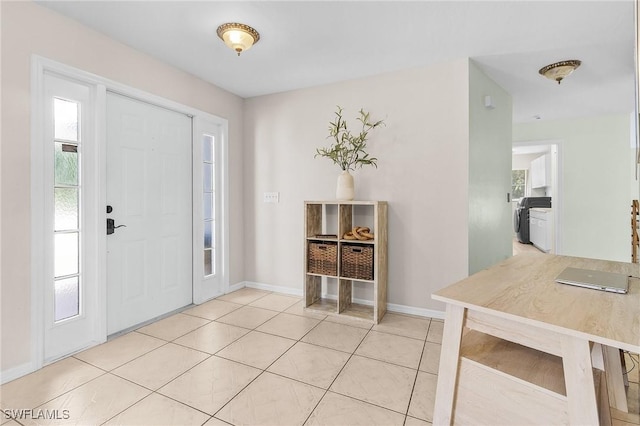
239,37
560,70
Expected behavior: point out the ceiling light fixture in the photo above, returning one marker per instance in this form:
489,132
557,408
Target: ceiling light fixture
560,70
239,37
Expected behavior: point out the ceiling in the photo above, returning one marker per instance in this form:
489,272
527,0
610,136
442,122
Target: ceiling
311,43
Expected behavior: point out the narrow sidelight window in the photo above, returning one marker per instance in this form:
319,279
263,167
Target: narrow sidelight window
208,185
67,193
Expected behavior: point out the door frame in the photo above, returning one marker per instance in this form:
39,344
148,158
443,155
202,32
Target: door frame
557,174
96,257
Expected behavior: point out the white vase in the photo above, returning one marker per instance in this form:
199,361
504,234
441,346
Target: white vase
345,189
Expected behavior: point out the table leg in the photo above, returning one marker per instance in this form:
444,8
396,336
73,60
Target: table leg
578,376
449,363
615,380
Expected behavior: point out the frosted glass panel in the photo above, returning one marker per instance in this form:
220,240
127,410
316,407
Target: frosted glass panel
208,205
207,148
65,118
208,262
67,298
66,254
66,164
207,176
208,234
66,209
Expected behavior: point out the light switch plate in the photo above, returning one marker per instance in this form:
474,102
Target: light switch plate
271,197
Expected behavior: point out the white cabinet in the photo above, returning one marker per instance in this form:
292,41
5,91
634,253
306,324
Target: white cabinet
541,228
541,172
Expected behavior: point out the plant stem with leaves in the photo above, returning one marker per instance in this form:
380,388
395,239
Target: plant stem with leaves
348,150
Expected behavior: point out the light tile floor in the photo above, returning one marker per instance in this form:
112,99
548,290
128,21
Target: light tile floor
249,357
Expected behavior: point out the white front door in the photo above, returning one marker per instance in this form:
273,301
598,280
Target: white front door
149,191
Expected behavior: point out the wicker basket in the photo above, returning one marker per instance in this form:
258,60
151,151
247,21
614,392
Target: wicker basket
357,261
323,258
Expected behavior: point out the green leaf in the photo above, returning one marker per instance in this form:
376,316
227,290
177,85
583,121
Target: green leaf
348,150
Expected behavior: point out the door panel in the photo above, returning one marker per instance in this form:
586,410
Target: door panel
149,262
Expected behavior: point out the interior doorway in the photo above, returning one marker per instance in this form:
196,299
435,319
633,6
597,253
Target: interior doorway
527,158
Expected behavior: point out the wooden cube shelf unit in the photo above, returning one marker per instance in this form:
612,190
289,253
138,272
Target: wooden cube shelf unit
327,254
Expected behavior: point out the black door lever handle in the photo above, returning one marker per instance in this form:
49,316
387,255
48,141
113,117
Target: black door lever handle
111,226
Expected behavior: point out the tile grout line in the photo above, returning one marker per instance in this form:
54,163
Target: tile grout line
415,380
209,321
276,360
261,373
155,391
165,342
104,372
218,356
117,414
336,377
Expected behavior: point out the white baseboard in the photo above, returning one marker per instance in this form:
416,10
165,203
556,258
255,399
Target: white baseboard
410,310
236,286
16,372
275,288
391,307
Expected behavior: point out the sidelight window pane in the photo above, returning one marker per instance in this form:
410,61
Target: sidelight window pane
65,117
67,298
66,164
66,259
208,262
207,149
207,177
208,234
66,209
66,214
208,205
208,200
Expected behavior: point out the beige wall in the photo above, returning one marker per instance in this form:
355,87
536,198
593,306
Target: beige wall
31,29
597,181
490,220
422,172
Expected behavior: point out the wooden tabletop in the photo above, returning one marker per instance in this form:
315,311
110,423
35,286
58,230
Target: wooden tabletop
523,289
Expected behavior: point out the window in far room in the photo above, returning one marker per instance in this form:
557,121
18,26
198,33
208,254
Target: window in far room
518,183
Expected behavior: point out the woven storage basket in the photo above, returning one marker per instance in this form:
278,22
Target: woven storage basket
357,261
323,258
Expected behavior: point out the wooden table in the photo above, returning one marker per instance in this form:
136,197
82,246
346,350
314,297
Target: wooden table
519,301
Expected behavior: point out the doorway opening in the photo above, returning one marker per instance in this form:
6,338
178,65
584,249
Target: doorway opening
536,172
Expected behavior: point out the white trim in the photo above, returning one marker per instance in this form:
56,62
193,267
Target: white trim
410,310
16,372
37,217
122,89
82,330
274,288
101,200
236,287
206,288
39,65
391,307
224,225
